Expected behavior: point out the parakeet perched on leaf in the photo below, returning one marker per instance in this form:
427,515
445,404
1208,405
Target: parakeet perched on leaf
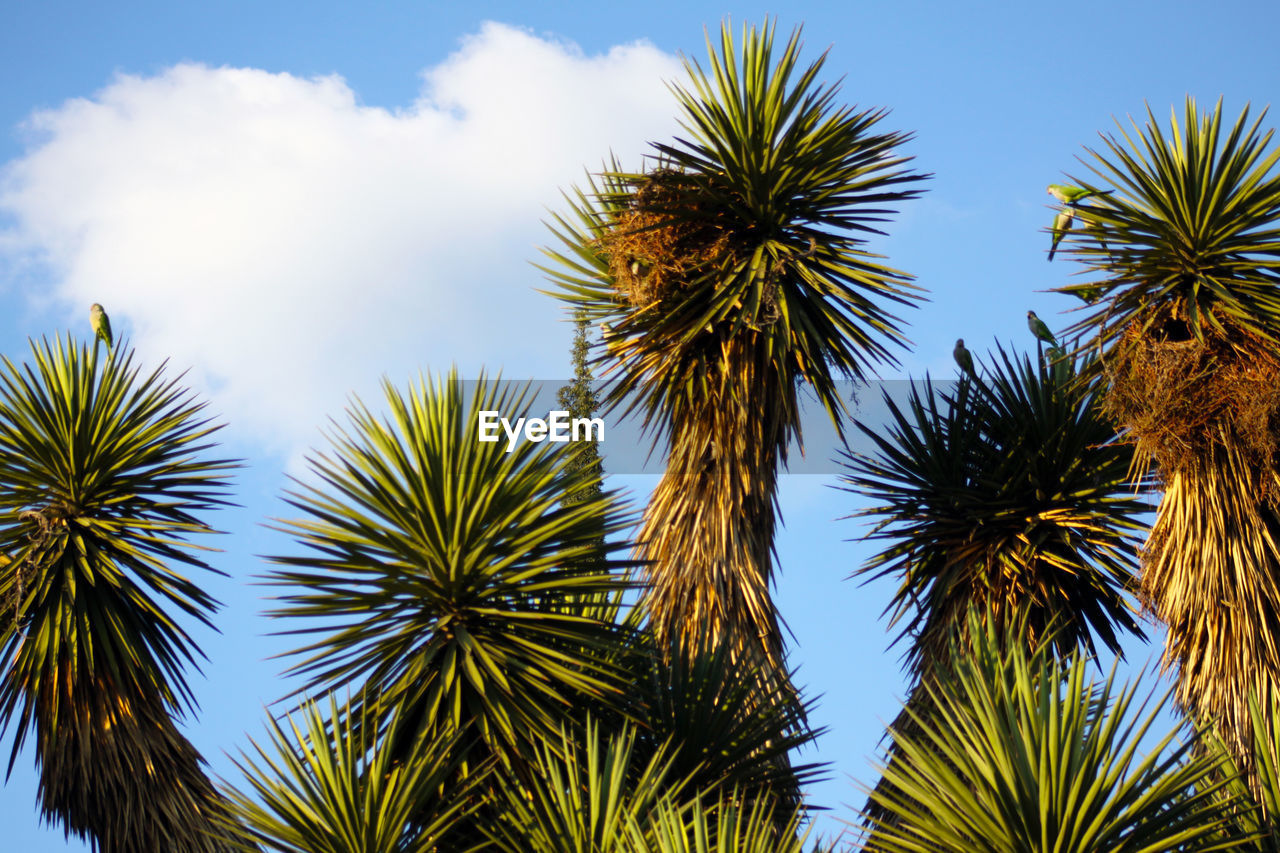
1088,293
1068,194
101,324
963,357
1040,330
1061,225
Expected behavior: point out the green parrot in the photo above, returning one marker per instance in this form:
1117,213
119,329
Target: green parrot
1088,293
1061,225
1068,194
1039,329
100,323
963,357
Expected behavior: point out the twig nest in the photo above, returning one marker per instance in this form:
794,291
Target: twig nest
673,232
1178,396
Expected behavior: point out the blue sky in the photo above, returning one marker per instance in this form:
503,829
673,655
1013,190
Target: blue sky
291,200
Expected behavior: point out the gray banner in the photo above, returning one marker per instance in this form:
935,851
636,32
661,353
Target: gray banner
626,448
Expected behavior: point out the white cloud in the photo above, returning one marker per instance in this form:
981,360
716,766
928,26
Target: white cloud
290,244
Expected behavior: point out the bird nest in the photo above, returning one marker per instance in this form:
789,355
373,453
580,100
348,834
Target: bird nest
1178,397
671,233
21,575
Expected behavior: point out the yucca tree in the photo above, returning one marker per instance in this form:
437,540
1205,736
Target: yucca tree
450,578
1024,752
1008,493
1184,252
104,473
327,784
727,275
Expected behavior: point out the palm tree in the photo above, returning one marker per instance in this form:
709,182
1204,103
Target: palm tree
329,786
1184,251
102,478
452,579
1023,752
728,275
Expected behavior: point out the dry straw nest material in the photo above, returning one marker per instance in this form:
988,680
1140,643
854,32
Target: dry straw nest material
1178,396
44,524
673,231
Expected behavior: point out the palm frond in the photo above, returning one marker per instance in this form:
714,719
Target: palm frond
608,795
1251,793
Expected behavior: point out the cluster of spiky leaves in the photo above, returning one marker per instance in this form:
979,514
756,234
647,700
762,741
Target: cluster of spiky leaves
1022,751
727,721
332,786
719,722
445,575
1191,226
103,477
1009,492
604,795
1251,795
587,796
797,182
